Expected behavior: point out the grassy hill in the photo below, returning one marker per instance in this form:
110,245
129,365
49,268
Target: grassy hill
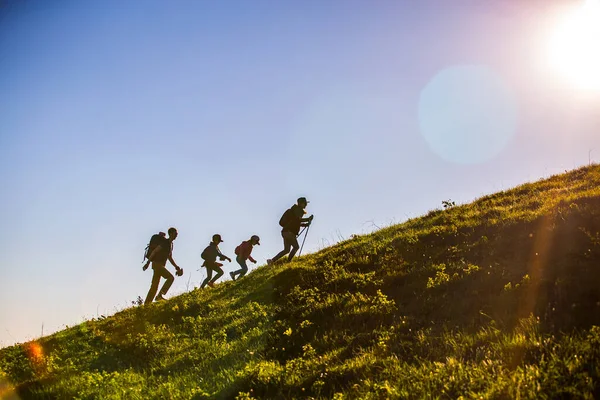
495,299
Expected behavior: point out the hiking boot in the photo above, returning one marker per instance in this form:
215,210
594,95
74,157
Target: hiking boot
232,275
159,297
212,285
269,262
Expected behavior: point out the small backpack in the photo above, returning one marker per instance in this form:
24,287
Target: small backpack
285,218
204,254
238,249
155,240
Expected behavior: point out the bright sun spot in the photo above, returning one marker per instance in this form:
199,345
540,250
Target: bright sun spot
574,48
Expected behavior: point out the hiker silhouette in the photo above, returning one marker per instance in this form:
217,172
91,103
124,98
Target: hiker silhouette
209,255
159,251
291,221
243,253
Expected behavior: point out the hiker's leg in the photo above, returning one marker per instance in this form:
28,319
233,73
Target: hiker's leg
244,268
287,245
169,278
294,243
153,286
208,277
219,274
242,264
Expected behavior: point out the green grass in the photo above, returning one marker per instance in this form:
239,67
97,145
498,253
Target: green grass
496,299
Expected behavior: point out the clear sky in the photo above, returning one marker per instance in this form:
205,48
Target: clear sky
121,119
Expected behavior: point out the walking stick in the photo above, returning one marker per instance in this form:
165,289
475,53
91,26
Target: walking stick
303,240
300,233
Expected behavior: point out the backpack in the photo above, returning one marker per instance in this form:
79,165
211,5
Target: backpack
204,254
155,241
285,218
239,248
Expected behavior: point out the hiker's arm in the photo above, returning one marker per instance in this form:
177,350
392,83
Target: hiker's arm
251,259
307,220
173,261
223,256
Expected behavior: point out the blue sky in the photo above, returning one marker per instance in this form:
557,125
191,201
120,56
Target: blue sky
120,120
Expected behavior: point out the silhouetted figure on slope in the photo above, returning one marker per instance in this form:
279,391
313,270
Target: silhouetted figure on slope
158,255
243,253
154,241
209,255
291,221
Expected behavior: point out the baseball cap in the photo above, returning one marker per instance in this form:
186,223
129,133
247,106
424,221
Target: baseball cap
217,238
303,200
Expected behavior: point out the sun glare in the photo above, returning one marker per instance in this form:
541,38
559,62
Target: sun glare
575,46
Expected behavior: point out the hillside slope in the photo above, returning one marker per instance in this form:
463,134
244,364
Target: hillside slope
499,298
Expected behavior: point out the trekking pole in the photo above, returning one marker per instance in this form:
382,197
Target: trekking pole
303,240
300,233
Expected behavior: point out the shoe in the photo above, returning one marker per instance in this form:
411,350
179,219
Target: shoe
159,297
232,275
269,262
212,285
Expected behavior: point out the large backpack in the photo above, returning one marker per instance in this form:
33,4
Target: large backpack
286,218
155,241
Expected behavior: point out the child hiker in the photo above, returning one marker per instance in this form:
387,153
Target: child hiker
209,255
243,252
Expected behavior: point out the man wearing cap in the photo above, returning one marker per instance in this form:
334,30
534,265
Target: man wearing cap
291,221
243,252
209,255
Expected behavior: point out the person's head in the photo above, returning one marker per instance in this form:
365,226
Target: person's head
217,238
302,202
172,233
255,240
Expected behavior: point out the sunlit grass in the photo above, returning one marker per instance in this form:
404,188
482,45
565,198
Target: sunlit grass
494,299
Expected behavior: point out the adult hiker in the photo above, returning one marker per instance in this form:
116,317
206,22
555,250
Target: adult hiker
209,255
243,252
162,251
291,221
154,241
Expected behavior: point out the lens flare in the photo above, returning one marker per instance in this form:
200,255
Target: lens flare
467,114
7,391
35,352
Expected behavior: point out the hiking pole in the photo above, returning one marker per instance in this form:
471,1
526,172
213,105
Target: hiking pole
303,240
300,233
